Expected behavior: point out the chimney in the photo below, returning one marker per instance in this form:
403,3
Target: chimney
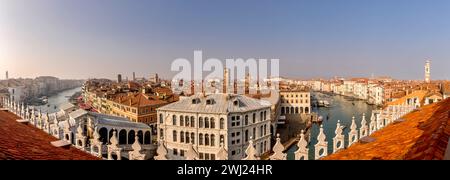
203,87
247,84
225,80
235,88
258,90
192,87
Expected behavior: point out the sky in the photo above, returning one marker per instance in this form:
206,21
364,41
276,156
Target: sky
312,38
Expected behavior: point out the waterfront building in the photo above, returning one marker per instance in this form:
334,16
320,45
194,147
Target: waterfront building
295,101
206,120
360,89
29,89
375,94
17,93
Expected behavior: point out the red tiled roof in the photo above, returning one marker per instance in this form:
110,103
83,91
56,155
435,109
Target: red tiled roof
25,142
423,135
416,94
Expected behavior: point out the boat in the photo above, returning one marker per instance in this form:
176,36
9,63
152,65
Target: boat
323,103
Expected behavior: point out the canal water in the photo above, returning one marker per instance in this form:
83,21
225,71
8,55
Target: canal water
56,100
342,109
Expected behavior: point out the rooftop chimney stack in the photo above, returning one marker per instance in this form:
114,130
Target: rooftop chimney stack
247,84
225,80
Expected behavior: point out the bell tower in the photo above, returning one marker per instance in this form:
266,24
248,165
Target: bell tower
427,71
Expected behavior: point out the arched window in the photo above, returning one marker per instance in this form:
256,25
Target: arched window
206,140
246,135
213,140
192,138
213,123
161,134
265,115
103,135
200,139
265,146
174,120
161,119
206,122
261,148
307,110
123,136
222,123
261,131
261,116
140,134
296,110
187,137
131,135
147,138
222,139
187,122
246,120
200,122
254,118
265,129
181,121
192,121
182,137
254,133
174,136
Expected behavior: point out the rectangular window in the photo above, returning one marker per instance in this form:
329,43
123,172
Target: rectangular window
213,157
175,151
233,153
200,155
206,156
182,153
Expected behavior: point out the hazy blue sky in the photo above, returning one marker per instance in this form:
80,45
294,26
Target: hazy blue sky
312,38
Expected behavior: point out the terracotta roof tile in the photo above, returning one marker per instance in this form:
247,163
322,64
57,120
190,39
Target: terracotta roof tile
25,142
423,135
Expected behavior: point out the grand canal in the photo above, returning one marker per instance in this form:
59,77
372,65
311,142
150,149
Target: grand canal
56,100
342,109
